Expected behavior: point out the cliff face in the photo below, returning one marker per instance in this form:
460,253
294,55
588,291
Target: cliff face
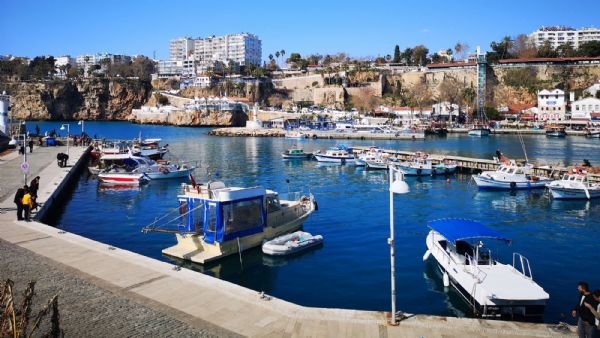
89,99
209,118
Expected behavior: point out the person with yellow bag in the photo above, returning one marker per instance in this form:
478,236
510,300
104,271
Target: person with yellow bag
27,203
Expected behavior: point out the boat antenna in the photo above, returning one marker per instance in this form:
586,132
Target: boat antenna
522,144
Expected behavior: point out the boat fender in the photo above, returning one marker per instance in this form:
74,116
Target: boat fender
446,280
513,185
316,205
314,136
362,138
426,255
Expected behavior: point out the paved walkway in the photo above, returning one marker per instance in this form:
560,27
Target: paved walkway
125,294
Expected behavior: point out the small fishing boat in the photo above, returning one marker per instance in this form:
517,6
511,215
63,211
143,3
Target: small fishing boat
446,167
574,186
510,176
123,178
372,154
493,289
291,243
162,169
340,154
592,133
555,131
419,165
296,135
296,153
479,130
377,164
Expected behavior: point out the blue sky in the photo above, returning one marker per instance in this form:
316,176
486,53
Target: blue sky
360,28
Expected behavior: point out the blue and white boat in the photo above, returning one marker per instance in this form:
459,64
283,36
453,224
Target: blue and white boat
216,221
492,289
510,176
339,154
374,153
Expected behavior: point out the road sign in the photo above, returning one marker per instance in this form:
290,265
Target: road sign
25,167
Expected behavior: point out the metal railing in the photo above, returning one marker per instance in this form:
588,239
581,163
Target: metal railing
474,269
525,268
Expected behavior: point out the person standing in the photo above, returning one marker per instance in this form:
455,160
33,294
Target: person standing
19,202
31,145
33,190
595,312
585,322
27,204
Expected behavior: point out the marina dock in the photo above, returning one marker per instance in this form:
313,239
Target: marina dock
106,289
475,165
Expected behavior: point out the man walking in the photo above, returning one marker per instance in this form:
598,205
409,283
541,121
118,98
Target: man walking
33,189
585,322
27,204
19,202
31,145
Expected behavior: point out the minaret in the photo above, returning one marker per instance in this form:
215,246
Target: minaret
4,104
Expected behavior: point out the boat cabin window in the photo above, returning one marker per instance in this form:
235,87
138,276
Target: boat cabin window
273,203
210,218
463,248
242,215
191,214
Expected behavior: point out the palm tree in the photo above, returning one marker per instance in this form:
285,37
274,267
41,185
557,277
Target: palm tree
282,52
270,57
277,55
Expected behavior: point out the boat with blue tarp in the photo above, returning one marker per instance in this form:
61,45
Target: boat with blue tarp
491,288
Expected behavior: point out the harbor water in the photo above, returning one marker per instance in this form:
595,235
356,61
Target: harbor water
351,269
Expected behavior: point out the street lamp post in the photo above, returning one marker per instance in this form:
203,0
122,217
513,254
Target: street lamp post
397,186
24,151
68,133
82,124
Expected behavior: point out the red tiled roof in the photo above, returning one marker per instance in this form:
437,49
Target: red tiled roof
571,59
451,64
519,107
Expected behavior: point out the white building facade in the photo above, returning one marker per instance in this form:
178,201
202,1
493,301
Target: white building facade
583,109
559,35
551,105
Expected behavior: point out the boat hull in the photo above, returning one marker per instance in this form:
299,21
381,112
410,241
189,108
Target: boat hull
376,165
593,134
171,174
556,134
573,194
487,183
479,132
122,179
332,159
296,157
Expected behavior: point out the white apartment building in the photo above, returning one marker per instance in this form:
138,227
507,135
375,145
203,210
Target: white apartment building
583,108
181,48
63,61
86,60
593,89
551,105
558,35
169,68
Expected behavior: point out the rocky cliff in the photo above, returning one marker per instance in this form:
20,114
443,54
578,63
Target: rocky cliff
88,99
209,118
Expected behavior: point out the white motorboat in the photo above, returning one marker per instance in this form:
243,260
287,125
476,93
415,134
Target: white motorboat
296,135
510,176
162,169
339,154
493,289
372,154
574,186
377,164
123,178
479,131
592,133
291,243
419,165
445,167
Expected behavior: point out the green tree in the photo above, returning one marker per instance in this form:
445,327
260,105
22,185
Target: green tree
407,56
420,55
590,48
397,55
566,50
546,50
500,50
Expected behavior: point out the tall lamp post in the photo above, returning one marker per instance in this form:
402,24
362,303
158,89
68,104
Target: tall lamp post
68,134
82,124
24,151
397,186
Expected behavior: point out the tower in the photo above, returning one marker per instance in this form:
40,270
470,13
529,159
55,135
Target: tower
481,69
4,105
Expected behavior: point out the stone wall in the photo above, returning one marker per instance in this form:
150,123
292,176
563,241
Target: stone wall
205,118
88,99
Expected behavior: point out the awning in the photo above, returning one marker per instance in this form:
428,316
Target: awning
455,229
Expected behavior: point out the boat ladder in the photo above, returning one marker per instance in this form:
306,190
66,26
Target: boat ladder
524,268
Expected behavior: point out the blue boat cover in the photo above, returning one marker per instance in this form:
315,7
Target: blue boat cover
455,229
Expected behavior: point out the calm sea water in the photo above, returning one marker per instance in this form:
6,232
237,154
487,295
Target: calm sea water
351,270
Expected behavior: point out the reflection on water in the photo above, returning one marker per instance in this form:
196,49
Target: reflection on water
352,269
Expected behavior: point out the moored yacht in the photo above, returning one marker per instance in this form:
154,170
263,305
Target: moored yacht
574,186
493,289
339,154
510,176
216,221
